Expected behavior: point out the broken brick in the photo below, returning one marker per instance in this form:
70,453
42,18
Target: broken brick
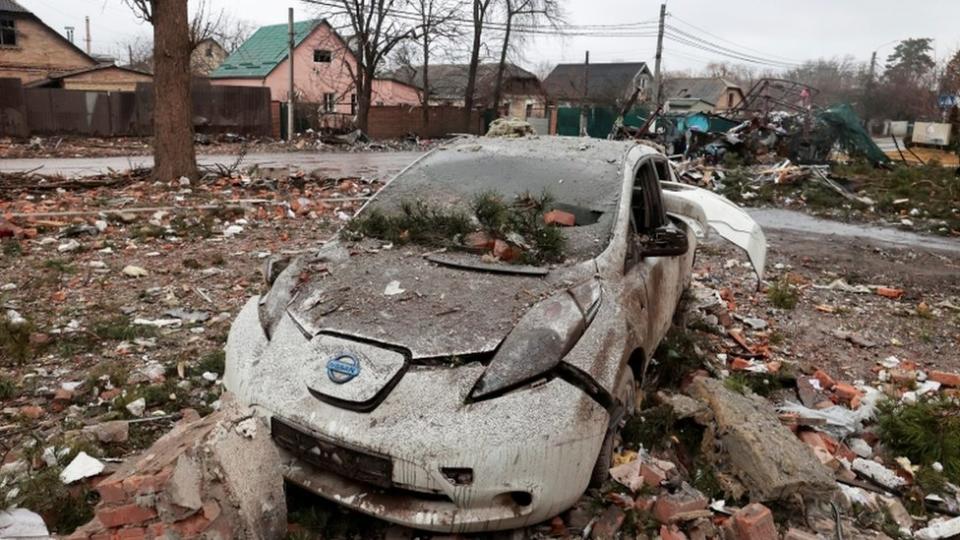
944,378
111,492
142,484
504,251
686,499
846,392
739,364
890,292
32,411
671,532
478,241
826,381
797,534
559,217
128,514
608,524
754,522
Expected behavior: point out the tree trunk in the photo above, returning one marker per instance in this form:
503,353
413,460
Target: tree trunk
503,61
364,98
173,152
479,9
426,81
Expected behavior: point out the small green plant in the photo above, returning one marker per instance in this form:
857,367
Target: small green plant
214,361
15,347
762,384
63,509
120,328
679,353
926,432
418,222
649,428
781,294
8,388
12,248
59,266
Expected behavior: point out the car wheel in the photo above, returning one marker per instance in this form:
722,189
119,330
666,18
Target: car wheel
626,394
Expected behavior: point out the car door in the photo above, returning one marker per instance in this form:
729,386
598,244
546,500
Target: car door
653,284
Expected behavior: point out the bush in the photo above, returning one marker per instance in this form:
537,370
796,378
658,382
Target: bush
926,432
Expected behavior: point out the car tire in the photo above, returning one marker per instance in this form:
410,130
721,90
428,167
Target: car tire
626,394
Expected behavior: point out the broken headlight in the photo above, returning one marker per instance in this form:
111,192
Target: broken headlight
540,340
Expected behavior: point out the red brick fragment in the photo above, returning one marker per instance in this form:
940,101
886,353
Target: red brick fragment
559,217
944,378
671,532
890,292
685,500
739,364
478,241
128,514
754,522
111,492
846,392
826,381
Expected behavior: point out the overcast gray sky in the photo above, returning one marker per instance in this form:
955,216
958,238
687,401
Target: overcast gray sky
780,30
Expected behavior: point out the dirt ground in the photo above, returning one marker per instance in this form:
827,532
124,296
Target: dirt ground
122,304
896,326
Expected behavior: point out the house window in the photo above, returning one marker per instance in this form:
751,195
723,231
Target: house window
329,102
322,56
209,51
528,111
353,104
8,33
730,100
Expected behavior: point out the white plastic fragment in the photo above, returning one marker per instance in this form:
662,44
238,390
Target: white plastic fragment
943,528
20,523
232,231
137,407
134,271
393,289
82,466
878,473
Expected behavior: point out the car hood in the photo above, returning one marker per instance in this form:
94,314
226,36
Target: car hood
398,298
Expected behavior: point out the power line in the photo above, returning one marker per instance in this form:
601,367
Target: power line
720,49
729,54
744,47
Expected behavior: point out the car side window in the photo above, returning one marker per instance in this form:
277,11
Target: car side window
646,204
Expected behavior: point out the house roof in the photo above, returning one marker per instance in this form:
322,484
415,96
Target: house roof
708,89
616,78
67,74
10,5
449,81
263,51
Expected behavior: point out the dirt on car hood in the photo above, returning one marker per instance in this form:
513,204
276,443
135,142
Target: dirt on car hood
397,297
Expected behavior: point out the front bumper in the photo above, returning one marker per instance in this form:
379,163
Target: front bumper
529,453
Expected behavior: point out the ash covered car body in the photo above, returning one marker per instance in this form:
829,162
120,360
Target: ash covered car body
451,391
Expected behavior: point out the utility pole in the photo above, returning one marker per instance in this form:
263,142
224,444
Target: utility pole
868,99
290,101
130,54
586,94
88,34
657,81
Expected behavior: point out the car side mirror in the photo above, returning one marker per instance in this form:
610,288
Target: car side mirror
664,241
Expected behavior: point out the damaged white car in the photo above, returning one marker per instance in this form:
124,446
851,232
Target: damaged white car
461,357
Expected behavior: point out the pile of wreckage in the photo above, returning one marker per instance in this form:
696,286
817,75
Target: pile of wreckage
775,120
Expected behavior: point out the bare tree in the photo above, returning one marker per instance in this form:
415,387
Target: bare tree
436,18
376,27
233,32
173,153
480,10
531,12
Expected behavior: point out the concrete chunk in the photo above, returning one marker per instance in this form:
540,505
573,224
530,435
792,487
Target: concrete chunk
756,448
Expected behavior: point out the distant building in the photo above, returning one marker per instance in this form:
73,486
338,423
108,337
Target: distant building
521,95
30,50
597,84
207,56
323,63
700,94
105,78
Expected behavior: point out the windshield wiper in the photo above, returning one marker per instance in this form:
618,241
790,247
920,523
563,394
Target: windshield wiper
517,269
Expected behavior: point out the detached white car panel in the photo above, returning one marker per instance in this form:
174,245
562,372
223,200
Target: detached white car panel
725,217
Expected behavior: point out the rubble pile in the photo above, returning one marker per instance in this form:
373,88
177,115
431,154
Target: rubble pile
759,439
65,146
115,300
196,480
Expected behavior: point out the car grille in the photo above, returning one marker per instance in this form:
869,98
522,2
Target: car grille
334,457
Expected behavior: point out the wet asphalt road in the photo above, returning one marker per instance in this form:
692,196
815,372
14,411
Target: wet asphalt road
382,164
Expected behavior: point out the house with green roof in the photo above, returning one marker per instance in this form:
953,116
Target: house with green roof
322,64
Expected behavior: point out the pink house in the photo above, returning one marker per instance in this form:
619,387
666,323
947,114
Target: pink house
322,62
